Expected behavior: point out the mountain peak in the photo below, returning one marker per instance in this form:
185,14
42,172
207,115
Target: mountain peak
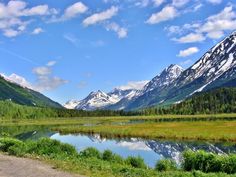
165,78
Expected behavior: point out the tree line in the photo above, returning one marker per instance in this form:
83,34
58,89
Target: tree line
221,100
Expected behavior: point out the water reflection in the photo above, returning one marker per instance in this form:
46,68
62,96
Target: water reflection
150,150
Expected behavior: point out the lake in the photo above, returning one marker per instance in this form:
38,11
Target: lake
150,150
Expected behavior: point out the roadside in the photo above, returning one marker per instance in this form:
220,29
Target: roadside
21,167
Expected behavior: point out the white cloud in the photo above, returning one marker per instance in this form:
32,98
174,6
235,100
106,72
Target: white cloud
142,3
121,32
188,52
18,80
75,9
100,17
11,32
45,80
213,27
217,24
134,145
179,3
215,34
12,16
158,2
167,13
190,38
215,1
138,85
51,63
37,31
42,70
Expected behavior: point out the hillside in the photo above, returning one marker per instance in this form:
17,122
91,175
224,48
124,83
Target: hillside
24,96
222,100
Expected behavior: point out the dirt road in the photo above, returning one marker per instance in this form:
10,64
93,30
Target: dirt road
21,167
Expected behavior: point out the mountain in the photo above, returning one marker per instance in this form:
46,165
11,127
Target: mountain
71,104
216,68
164,79
96,100
23,95
100,100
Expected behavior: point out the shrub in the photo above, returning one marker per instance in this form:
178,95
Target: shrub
136,162
49,147
90,152
208,162
111,157
6,143
18,150
166,165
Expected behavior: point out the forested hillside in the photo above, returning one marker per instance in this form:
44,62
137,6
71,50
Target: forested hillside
24,96
221,100
10,110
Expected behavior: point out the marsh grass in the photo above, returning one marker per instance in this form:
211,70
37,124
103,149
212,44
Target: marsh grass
203,130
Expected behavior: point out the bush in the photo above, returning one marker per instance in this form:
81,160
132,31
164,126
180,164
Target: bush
208,162
18,150
111,157
136,162
6,143
90,152
166,165
49,147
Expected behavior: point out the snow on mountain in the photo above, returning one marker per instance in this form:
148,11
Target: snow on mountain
96,100
71,104
215,68
165,78
16,79
212,65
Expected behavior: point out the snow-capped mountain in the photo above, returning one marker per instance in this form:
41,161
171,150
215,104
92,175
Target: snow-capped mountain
216,68
96,100
165,78
71,104
101,100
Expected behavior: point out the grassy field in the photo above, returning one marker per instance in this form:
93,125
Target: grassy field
201,130
219,127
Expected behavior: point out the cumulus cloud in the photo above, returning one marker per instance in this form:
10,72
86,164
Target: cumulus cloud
158,2
120,31
213,27
179,3
217,24
100,17
45,80
167,13
138,85
12,22
75,9
190,38
188,52
37,31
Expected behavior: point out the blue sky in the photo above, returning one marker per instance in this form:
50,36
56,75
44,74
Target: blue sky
69,48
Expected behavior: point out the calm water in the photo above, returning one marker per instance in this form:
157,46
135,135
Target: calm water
150,150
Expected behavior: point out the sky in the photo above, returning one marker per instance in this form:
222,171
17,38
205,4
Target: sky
68,48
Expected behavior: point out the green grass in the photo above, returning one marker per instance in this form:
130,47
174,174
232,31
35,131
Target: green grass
202,130
91,162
